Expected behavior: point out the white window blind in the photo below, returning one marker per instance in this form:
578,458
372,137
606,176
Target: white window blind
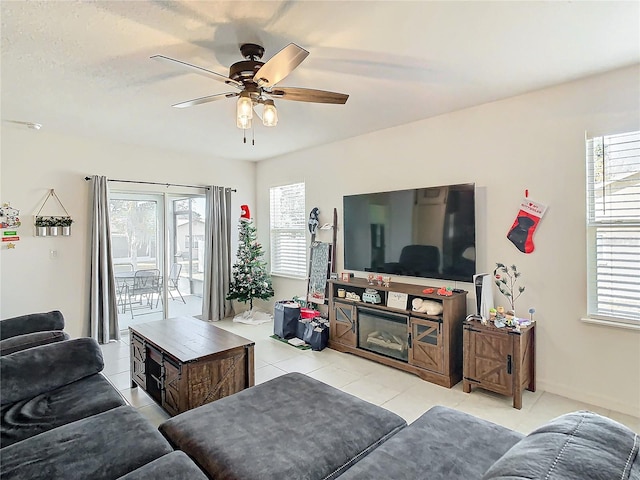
613,226
288,227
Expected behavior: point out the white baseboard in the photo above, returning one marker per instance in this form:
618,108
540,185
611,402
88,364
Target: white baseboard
604,401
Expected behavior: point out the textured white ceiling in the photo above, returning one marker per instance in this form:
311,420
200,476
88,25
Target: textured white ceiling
84,67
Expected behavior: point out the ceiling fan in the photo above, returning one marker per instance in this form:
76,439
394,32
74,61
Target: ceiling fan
256,82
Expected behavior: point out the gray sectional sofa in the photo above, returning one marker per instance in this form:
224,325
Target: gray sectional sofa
62,419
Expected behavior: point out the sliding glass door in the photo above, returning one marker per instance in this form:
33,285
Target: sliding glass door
158,257
186,252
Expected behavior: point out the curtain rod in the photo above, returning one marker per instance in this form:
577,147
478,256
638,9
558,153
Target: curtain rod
158,183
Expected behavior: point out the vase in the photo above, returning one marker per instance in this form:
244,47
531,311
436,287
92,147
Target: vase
54,231
41,231
66,231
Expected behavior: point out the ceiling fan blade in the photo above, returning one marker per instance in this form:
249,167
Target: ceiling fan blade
280,65
201,100
32,125
309,95
198,70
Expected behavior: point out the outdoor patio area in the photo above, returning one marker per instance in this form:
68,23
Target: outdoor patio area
191,307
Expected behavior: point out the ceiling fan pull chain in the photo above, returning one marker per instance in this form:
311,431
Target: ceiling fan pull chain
253,136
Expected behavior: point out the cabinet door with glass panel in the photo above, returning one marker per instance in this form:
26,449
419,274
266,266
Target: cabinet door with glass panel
425,349
343,323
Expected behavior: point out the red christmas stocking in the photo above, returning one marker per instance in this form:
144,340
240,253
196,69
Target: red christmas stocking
521,233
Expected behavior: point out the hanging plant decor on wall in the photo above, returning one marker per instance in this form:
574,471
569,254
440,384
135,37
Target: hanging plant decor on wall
53,225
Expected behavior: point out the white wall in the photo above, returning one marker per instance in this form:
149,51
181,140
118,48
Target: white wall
534,142
35,161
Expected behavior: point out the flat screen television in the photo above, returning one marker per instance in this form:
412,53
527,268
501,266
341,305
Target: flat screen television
423,232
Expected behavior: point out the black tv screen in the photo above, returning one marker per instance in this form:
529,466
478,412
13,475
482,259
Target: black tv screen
423,232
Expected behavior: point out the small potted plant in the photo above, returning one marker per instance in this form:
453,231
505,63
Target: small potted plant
65,223
54,226
42,224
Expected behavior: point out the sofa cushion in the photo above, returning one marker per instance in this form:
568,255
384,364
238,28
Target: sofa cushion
77,400
581,445
105,446
29,340
173,466
446,443
290,427
38,370
34,322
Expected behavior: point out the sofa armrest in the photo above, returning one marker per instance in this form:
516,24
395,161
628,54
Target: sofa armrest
30,340
35,322
32,372
581,445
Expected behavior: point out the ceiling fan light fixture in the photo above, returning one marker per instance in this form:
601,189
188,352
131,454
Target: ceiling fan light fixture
269,114
244,110
243,122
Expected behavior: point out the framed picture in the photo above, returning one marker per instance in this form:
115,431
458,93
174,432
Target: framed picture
397,300
345,276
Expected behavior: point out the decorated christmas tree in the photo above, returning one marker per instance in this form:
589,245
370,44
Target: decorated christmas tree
250,278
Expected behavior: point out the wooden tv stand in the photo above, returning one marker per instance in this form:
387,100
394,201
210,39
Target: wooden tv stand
429,346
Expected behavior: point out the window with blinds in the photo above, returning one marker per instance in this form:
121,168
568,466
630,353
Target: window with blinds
613,226
288,230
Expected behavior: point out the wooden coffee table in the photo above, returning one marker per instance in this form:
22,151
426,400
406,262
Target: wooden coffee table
184,362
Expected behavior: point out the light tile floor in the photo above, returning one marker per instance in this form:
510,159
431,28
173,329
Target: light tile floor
403,393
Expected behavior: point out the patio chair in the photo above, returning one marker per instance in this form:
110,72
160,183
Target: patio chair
174,276
123,273
146,283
